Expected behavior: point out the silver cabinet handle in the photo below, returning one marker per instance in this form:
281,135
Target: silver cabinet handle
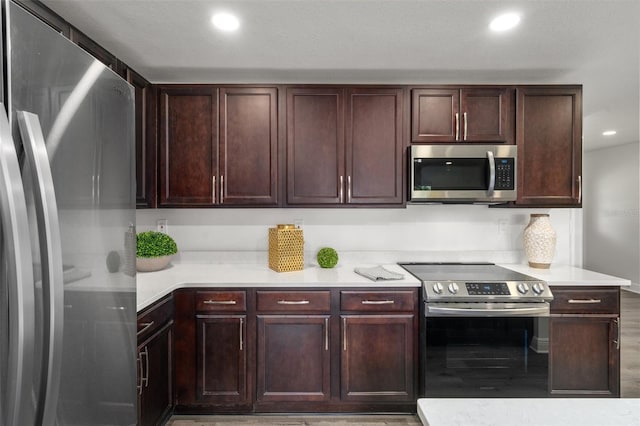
50,246
14,230
344,333
378,302
341,189
213,189
579,189
140,373
492,172
241,333
326,334
219,302
144,380
292,302
464,136
618,325
585,301
221,188
349,189
457,126
145,327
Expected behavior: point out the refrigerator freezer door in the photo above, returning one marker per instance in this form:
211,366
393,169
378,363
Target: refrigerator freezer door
87,119
16,289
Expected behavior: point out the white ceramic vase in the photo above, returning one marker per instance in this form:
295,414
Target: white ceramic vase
539,241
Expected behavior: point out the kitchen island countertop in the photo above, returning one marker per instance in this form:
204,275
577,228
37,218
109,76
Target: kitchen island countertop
529,411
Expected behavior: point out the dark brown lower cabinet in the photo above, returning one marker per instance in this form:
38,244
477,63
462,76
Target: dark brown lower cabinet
281,350
293,358
154,385
584,336
377,358
222,359
155,362
584,356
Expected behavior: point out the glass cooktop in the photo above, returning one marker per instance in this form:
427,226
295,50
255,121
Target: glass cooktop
465,272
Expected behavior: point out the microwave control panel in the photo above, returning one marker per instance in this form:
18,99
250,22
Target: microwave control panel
505,174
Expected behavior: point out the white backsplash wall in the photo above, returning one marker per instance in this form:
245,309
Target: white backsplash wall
419,232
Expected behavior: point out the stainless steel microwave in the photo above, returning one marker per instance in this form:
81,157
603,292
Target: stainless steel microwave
463,173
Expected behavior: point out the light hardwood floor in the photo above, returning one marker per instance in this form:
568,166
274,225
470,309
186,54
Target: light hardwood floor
629,386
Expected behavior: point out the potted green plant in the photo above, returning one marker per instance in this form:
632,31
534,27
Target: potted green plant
154,250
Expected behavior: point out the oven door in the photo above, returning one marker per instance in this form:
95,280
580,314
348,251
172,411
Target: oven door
486,356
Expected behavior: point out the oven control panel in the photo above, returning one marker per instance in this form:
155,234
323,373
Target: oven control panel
484,291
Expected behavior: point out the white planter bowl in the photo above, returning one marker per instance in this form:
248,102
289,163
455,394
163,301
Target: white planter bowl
151,264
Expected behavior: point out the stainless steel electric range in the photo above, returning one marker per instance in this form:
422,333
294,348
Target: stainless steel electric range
484,331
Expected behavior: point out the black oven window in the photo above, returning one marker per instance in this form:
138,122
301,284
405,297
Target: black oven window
484,357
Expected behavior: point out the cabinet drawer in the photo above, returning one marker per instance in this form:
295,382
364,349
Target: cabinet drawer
585,300
159,314
378,300
293,301
207,301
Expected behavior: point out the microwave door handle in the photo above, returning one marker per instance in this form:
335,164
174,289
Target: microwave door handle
492,173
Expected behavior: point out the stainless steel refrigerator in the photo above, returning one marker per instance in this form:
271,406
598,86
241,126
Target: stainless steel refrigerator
67,276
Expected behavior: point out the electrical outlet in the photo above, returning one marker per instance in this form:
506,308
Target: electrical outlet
161,225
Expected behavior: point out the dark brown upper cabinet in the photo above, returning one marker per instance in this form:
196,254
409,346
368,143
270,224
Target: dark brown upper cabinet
344,145
470,114
549,139
145,140
218,146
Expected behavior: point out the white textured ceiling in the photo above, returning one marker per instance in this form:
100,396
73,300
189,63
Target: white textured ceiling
595,43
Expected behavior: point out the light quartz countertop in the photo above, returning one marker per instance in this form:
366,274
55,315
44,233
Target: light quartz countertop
529,412
152,286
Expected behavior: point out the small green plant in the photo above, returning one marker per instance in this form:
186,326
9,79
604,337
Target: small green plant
154,244
327,257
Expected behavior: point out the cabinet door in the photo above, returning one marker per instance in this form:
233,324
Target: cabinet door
315,146
145,147
377,358
293,358
549,139
155,367
188,146
248,146
222,359
435,115
487,115
584,356
374,146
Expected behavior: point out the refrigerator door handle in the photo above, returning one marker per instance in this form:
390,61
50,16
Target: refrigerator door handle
51,249
19,275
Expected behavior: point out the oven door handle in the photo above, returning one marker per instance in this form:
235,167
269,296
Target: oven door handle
528,311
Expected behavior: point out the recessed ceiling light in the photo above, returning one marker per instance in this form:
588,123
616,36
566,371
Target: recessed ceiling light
609,133
505,22
225,22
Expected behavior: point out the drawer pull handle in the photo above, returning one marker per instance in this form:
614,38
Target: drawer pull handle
585,300
117,308
145,327
293,302
219,302
378,302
